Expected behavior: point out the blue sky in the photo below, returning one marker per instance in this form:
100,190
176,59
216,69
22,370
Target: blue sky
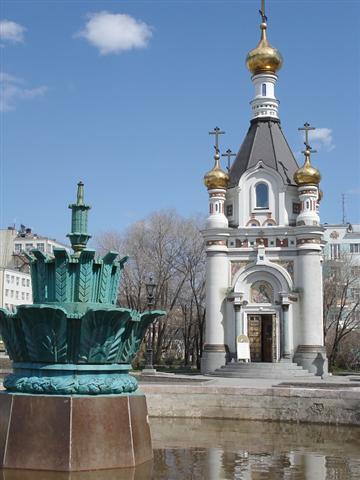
133,124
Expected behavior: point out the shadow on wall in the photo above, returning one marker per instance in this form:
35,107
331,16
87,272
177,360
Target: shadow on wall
319,364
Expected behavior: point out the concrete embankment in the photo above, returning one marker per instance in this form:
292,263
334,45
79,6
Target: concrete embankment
318,401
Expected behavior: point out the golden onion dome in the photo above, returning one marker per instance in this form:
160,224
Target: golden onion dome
216,178
264,58
307,174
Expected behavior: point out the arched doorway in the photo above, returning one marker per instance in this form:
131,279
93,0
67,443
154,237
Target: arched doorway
262,289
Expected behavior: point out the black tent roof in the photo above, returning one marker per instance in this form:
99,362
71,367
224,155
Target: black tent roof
264,141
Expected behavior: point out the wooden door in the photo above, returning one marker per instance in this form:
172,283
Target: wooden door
267,337
254,334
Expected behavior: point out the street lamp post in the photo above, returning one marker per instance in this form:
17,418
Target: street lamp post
150,289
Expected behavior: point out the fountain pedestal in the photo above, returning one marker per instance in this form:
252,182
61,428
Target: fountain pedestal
73,433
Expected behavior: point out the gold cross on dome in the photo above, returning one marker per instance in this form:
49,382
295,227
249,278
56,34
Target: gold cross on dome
228,154
306,128
216,132
262,11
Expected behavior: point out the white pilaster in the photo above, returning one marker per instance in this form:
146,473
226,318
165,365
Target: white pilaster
311,353
217,277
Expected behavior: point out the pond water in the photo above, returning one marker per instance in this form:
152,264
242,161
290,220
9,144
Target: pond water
188,449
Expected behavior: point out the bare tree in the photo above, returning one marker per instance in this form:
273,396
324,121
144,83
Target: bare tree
341,303
171,248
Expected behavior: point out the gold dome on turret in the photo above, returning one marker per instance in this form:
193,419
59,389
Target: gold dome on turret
307,174
216,178
264,58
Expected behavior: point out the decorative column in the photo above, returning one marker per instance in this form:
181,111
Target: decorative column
217,272
311,352
238,323
217,265
285,337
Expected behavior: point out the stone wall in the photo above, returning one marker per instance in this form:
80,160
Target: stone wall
332,406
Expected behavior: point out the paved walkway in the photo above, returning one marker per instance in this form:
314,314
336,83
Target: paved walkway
331,381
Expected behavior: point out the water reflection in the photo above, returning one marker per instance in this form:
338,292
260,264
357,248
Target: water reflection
187,449
251,450
142,472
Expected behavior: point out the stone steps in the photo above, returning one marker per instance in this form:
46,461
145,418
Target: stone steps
262,370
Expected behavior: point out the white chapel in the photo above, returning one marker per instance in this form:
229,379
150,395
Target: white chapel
264,243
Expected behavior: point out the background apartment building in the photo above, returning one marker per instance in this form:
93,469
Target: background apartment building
15,279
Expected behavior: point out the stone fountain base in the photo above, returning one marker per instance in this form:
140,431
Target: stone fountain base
73,433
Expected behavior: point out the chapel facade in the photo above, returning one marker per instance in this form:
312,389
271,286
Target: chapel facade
264,240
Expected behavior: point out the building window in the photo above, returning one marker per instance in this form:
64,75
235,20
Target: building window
355,293
22,295
28,282
18,247
27,296
263,89
7,278
296,208
354,247
7,292
28,246
40,246
262,195
11,293
23,282
12,278
229,210
17,295
355,271
17,281
335,251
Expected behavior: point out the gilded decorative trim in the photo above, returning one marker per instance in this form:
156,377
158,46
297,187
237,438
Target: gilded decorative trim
210,243
303,241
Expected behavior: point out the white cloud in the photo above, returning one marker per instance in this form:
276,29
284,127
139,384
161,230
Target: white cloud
322,137
115,32
11,31
12,90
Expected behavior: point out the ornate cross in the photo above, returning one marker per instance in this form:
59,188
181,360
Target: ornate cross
228,154
262,11
216,132
306,128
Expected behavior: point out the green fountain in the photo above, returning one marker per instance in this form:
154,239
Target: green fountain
70,403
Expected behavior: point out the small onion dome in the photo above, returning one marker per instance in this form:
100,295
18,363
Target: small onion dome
216,178
307,174
264,58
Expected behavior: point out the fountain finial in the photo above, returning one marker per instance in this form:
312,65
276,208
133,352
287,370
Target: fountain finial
79,221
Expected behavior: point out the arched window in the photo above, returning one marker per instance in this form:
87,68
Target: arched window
263,89
262,195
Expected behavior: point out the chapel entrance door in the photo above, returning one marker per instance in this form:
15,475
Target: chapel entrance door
260,333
